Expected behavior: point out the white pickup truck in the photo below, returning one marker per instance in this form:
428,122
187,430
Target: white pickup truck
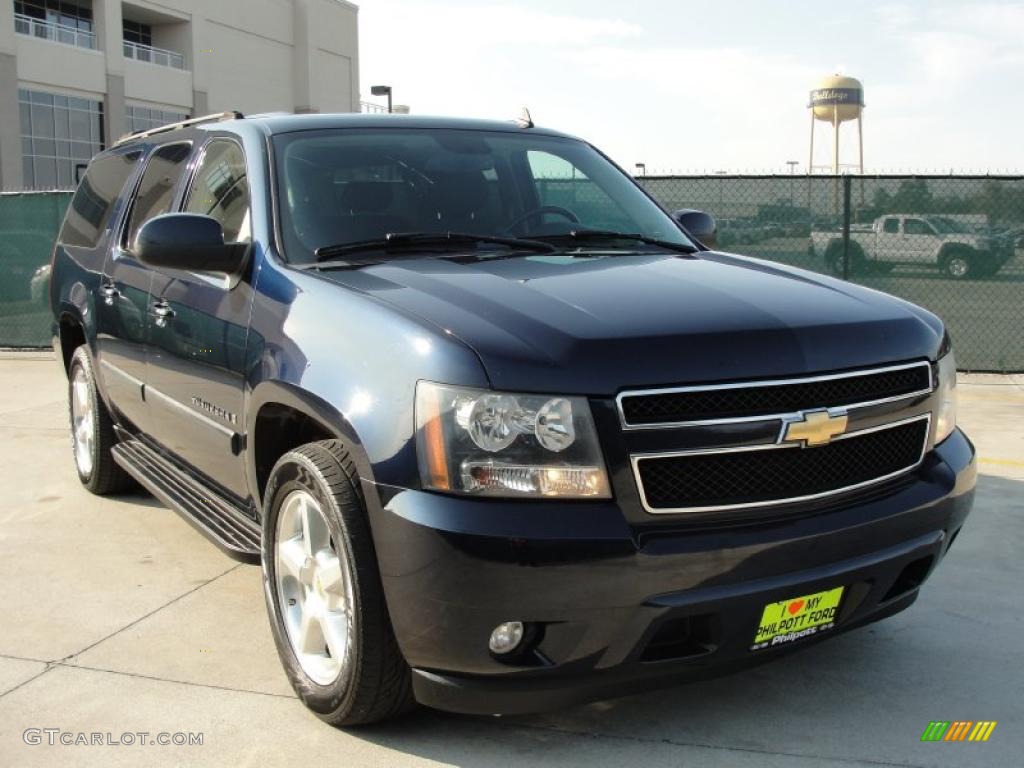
936,241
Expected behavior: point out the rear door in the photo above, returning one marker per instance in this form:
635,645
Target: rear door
124,310
196,368
921,243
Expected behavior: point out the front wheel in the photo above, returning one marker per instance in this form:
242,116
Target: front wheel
958,265
323,591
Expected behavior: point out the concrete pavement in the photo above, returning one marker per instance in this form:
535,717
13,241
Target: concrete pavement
119,618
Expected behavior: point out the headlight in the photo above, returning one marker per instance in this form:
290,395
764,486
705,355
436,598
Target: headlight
945,422
488,443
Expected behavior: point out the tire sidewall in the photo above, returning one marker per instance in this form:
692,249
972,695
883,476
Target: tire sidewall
296,472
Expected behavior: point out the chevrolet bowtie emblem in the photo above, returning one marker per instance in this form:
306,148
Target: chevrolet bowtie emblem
813,428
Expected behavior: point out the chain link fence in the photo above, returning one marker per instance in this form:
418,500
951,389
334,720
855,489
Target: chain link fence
953,244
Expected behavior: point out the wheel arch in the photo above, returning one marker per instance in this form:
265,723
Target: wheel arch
283,417
70,336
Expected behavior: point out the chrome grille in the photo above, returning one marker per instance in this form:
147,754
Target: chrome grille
765,475
772,398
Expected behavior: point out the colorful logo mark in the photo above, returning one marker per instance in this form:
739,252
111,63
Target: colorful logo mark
958,730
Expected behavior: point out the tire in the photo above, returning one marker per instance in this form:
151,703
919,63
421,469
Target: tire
834,260
958,264
349,678
92,430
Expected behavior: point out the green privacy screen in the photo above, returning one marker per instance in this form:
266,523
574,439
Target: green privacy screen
28,225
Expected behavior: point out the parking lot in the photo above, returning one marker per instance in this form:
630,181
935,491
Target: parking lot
119,618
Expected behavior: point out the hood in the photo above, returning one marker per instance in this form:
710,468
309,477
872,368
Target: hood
596,325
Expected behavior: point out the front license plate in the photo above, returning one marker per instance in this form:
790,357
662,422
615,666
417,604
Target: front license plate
797,618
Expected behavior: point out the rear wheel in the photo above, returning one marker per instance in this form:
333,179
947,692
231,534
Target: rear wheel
834,260
323,591
92,430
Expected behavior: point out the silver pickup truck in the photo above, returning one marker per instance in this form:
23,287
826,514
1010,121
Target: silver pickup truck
937,241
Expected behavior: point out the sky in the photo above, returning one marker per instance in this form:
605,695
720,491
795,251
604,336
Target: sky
699,85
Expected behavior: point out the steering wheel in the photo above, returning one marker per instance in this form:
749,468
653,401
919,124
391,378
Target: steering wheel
540,210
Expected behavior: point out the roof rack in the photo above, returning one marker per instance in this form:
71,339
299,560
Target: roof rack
214,118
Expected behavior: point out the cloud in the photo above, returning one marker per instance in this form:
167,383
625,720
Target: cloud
618,77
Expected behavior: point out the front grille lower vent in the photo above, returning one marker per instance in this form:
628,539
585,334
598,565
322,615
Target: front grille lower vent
751,477
766,398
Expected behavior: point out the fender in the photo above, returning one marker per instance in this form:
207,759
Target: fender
329,418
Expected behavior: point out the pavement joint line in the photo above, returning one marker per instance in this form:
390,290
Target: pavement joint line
716,747
49,666
156,678
156,610
13,657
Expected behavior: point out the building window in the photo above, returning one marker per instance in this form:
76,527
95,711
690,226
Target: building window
138,33
139,118
55,20
59,134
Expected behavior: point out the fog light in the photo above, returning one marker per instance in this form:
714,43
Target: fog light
506,637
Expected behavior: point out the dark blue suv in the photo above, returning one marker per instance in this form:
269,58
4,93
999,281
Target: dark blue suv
503,433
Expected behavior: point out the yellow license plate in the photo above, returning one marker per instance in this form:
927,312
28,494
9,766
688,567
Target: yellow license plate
799,617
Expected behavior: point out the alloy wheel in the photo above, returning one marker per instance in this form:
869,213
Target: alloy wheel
314,589
957,266
83,421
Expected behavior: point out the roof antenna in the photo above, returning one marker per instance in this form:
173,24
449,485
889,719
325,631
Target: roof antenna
524,120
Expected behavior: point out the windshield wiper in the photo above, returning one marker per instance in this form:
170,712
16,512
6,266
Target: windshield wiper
602,235
405,240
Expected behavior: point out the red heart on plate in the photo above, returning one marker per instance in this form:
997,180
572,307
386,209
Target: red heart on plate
795,606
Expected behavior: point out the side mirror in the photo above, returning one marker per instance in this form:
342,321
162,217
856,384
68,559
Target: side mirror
699,224
187,241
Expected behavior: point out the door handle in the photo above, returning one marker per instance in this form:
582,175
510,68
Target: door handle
109,293
162,312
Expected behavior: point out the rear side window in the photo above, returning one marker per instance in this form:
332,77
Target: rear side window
891,226
156,190
94,200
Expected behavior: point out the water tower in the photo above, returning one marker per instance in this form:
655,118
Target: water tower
837,99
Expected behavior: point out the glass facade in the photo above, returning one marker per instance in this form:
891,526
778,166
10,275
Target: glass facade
59,134
140,118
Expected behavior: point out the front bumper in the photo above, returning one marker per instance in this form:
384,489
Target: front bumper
617,608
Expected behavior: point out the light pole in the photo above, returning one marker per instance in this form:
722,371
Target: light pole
641,169
792,172
382,90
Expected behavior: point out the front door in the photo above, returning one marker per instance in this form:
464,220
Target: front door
123,306
196,367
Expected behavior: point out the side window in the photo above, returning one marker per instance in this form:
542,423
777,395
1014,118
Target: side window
560,183
891,226
221,189
156,190
916,227
95,198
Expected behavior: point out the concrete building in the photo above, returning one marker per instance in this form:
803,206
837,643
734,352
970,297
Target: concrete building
74,76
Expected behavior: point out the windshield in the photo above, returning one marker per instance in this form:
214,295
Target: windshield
352,185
